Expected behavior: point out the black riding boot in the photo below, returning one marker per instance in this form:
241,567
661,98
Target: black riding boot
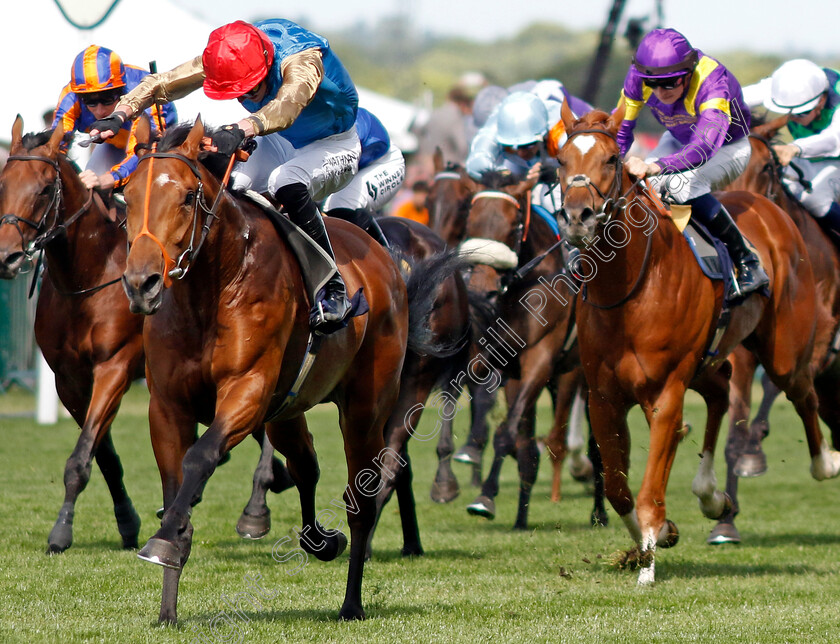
331,304
364,220
712,214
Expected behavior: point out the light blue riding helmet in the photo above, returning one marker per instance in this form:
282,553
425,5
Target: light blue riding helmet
522,120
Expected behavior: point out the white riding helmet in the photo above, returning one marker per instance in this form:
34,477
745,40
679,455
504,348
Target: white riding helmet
522,120
796,87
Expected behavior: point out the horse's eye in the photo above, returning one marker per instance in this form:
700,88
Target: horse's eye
188,200
46,191
612,160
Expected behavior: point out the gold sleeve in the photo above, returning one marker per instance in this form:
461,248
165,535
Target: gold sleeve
302,74
165,87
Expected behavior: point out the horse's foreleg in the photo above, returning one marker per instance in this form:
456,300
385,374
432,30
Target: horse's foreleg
271,474
828,393
504,445
557,441
109,385
528,459
481,404
608,423
760,425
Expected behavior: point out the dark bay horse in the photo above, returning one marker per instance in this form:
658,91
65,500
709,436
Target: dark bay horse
648,315
744,456
527,320
227,334
83,326
421,253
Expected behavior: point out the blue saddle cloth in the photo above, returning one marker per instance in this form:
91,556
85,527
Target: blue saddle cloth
550,219
710,253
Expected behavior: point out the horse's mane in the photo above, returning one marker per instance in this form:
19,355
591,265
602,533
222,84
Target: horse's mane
496,179
596,119
215,162
34,140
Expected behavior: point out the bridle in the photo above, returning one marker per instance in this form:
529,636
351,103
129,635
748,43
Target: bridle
178,268
775,168
45,232
613,203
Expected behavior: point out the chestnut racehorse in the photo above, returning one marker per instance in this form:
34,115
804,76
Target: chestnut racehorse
228,336
526,307
83,326
648,315
744,456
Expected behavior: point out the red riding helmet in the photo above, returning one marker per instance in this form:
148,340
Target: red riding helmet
237,57
96,69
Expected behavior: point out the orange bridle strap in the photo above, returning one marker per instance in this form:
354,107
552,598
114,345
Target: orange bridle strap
527,215
168,262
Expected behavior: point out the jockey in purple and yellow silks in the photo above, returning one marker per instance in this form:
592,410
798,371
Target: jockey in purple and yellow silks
98,79
705,147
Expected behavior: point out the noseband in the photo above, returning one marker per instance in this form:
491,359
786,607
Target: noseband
178,269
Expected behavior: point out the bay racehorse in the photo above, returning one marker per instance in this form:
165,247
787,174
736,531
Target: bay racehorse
525,304
227,339
86,333
744,456
648,314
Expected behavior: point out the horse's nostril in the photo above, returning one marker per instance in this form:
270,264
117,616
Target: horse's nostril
151,284
586,214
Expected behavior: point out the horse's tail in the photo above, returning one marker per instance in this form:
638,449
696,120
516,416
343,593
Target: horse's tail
422,280
484,314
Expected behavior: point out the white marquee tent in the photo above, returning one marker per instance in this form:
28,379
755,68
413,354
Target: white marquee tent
38,47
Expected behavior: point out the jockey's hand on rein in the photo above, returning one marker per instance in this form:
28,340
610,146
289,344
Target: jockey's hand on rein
228,139
110,125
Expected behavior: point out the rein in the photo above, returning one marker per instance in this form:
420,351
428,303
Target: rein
523,222
173,269
778,169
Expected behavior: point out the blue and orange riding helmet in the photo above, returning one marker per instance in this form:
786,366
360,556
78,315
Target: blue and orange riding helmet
96,69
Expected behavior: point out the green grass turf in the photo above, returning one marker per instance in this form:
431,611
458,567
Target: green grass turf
478,582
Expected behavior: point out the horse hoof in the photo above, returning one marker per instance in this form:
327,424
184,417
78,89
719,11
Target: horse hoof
669,536
581,471
483,507
468,454
128,524
159,512
724,533
250,527
351,612
750,465
225,458
413,550
599,519
333,544
61,537
445,491
161,552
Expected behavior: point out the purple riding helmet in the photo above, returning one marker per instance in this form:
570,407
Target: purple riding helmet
664,53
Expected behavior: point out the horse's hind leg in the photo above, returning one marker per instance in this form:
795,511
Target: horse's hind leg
481,404
760,425
743,368
445,486
563,396
271,474
292,438
715,389
128,521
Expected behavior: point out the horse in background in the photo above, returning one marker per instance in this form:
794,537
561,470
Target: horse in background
744,456
648,315
83,326
524,302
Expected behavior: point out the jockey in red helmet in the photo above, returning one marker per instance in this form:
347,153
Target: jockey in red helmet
705,147
98,79
303,105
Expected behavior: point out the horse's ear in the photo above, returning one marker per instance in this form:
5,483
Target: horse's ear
54,144
17,134
143,130
192,145
770,129
437,160
615,119
566,116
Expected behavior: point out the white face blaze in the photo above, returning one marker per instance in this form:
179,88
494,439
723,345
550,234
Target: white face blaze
584,143
162,179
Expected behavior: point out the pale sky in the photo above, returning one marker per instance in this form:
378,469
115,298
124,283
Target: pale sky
780,26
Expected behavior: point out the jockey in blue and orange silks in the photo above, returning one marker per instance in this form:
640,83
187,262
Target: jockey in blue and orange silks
705,147
98,79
